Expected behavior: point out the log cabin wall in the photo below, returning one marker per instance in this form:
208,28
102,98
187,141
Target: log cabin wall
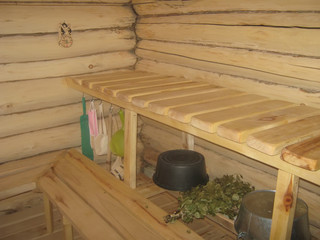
266,47
39,114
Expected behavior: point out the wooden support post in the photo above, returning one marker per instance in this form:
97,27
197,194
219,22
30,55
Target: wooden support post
130,146
187,141
48,213
284,206
68,231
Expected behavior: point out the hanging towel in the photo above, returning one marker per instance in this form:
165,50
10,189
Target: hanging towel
85,133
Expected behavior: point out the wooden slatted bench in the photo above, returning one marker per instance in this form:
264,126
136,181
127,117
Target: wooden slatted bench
255,126
101,207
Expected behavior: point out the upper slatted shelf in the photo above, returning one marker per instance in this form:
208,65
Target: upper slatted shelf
267,125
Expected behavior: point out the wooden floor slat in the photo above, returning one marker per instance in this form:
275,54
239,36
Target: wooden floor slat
210,121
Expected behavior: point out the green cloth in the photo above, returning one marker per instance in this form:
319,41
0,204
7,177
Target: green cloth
117,140
85,132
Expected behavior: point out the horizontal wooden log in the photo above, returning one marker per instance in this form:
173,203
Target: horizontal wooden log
300,72
30,95
37,142
277,91
151,7
280,19
39,119
281,40
27,48
114,2
22,19
67,66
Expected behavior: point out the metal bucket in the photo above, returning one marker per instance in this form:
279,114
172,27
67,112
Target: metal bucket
254,219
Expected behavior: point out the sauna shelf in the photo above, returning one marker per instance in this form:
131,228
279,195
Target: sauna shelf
256,126
253,125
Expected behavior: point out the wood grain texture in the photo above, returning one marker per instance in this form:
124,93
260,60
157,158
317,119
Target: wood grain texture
22,48
271,141
284,40
296,71
277,91
147,7
305,154
41,141
163,106
185,113
240,130
67,66
210,121
30,19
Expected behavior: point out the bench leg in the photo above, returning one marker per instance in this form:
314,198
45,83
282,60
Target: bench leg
68,231
284,206
187,141
48,213
130,146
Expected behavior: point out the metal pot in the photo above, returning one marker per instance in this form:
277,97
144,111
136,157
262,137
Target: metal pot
254,219
180,170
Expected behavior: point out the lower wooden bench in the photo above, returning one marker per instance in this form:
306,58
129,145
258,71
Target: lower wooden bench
101,207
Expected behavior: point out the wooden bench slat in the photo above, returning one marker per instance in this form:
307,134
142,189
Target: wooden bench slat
210,121
163,106
86,79
143,101
142,208
88,222
305,154
271,141
120,81
129,94
185,113
86,185
239,130
113,90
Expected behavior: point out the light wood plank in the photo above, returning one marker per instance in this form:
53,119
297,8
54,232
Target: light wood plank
271,141
67,66
305,154
138,205
288,19
299,71
147,7
127,95
284,206
75,208
241,83
143,81
145,100
113,79
19,19
21,48
283,40
92,191
210,121
185,113
130,148
239,130
42,141
163,106
42,93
